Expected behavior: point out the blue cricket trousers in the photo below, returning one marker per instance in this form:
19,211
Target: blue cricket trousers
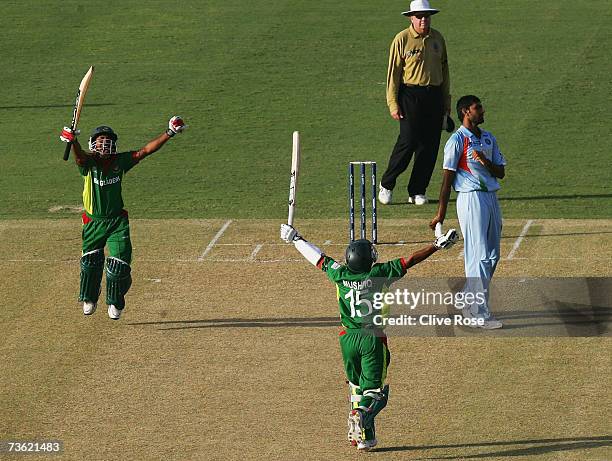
480,219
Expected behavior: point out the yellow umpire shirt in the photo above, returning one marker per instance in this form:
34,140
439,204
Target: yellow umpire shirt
416,60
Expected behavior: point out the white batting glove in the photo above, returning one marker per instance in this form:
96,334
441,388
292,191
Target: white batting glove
69,135
447,240
288,234
175,125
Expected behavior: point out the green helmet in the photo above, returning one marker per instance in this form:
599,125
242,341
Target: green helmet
109,146
360,255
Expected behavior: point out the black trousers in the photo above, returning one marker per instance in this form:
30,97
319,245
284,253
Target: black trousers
420,131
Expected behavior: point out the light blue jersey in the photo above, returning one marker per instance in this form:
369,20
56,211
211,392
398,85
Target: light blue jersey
471,175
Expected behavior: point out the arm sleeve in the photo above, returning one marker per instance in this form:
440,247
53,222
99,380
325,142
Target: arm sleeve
394,73
126,161
498,157
312,254
452,153
394,269
332,268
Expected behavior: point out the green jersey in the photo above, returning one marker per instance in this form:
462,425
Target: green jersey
355,291
102,184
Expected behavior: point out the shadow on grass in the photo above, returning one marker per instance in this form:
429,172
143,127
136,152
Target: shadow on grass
54,106
521,199
537,447
310,322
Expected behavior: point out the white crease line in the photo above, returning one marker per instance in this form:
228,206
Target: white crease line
327,242
214,240
520,238
255,251
192,260
461,253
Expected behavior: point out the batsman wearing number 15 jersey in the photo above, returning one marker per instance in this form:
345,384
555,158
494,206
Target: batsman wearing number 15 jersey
363,344
105,221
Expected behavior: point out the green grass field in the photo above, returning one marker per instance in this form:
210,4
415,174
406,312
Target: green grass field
246,75
228,349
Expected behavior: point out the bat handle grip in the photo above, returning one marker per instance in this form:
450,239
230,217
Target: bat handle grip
67,151
290,217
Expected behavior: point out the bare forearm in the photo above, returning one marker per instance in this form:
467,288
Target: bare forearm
80,156
445,191
496,170
420,255
152,146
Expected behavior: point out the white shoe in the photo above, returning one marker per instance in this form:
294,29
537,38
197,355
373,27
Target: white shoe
486,324
355,425
491,324
113,312
384,195
367,445
89,307
418,200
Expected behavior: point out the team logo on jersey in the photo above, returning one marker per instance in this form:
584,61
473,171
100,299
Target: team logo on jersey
488,141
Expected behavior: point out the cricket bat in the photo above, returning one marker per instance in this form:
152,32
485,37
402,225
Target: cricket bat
295,169
78,105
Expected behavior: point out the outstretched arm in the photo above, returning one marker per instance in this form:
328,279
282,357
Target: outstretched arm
175,125
444,241
420,256
308,250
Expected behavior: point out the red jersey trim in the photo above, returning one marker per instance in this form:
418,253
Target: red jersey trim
463,164
404,264
320,263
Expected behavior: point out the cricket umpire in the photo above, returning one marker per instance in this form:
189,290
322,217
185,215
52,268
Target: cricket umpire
418,96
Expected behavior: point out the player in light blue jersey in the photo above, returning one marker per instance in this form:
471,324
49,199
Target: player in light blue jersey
473,164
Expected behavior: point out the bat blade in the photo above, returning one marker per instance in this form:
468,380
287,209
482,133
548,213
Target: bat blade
295,171
78,105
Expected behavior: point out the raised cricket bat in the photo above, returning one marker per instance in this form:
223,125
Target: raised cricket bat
295,169
78,105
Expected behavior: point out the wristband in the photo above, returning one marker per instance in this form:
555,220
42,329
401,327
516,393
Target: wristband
170,133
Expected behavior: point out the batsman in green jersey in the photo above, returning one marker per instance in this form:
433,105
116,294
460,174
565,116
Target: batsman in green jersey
105,221
363,344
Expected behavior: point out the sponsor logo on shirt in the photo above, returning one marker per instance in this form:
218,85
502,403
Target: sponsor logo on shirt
107,182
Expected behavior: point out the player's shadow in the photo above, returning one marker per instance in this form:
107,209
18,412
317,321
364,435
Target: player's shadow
535,447
309,322
54,106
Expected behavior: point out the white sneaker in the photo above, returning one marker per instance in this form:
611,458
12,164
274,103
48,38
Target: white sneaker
355,425
89,307
491,324
113,312
418,200
384,195
487,324
367,445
